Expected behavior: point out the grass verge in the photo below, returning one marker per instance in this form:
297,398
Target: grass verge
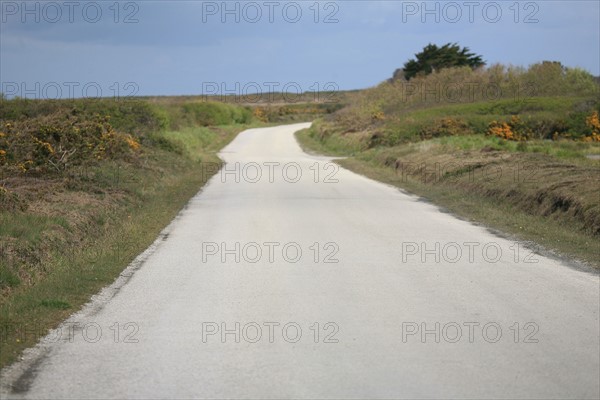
548,195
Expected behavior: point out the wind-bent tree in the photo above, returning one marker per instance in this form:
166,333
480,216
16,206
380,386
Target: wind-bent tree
434,58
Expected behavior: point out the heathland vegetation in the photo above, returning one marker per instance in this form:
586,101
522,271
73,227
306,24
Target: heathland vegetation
515,148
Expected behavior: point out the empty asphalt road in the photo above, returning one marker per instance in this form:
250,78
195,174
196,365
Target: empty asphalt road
287,277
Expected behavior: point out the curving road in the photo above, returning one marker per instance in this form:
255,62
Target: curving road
286,277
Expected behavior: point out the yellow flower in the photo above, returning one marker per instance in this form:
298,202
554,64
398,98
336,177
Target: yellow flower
132,143
593,122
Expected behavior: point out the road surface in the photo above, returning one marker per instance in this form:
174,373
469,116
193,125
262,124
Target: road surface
287,277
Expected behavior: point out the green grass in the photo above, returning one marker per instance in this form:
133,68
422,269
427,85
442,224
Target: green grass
503,204
8,278
564,149
193,142
54,303
28,227
323,140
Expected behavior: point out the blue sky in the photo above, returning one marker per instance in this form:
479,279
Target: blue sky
61,49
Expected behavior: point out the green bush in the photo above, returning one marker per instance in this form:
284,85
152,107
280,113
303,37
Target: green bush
213,113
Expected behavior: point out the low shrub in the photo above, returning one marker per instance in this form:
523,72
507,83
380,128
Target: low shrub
446,127
213,113
61,139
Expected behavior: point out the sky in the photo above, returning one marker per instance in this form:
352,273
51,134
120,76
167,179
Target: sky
68,48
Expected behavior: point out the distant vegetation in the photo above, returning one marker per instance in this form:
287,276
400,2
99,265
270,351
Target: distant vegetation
39,136
544,101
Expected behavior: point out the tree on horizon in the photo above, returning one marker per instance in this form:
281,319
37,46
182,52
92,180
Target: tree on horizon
433,58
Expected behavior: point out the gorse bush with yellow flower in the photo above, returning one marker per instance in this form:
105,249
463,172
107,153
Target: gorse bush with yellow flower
593,123
53,135
517,129
514,129
60,140
260,114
